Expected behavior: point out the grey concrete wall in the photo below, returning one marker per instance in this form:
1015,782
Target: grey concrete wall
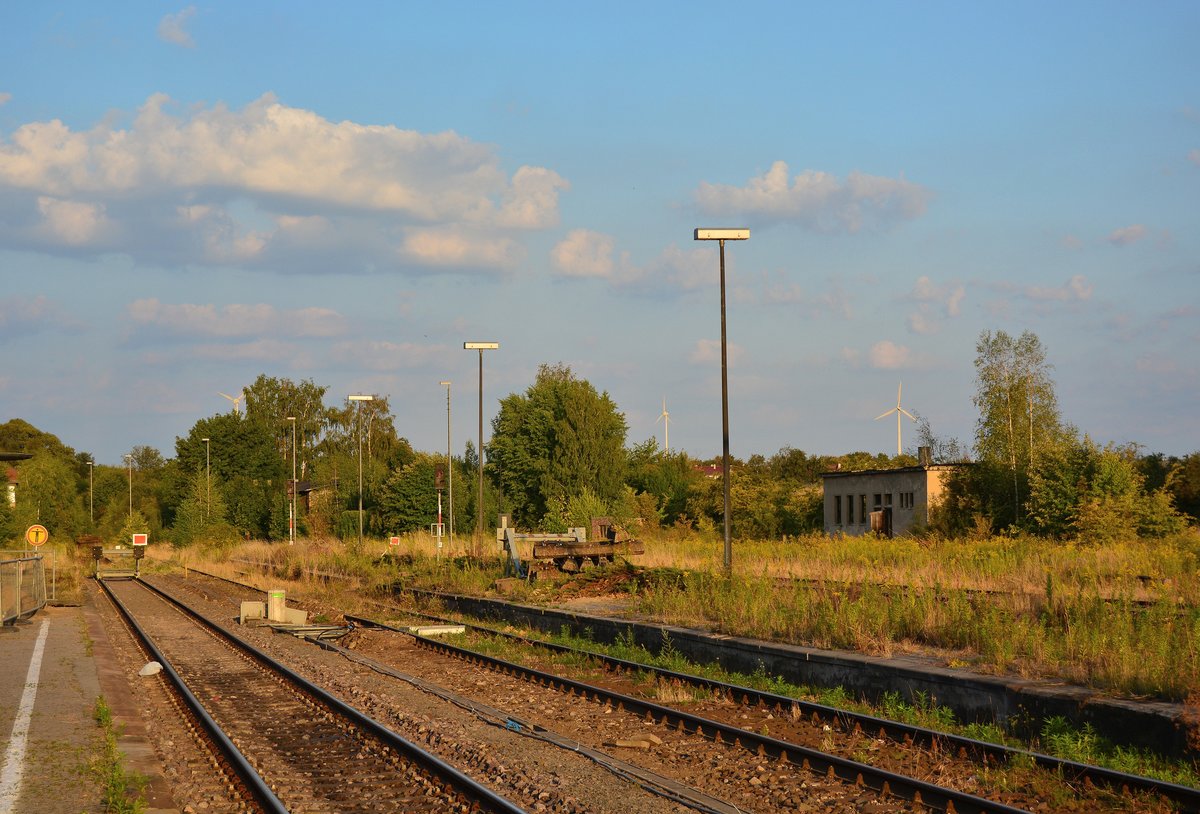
1014,702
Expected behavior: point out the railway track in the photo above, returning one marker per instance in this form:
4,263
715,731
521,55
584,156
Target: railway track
765,703
292,746
785,715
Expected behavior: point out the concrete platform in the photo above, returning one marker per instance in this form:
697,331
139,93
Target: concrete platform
52,670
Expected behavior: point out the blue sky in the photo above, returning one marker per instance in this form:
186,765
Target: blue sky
192,195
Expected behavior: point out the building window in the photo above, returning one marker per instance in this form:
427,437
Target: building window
906,500
849,510
887,500
862,515
837,510
878,501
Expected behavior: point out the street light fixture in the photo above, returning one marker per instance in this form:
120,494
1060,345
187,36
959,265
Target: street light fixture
91,508
449,463
722,235
360,399
481,347
292,508
207,482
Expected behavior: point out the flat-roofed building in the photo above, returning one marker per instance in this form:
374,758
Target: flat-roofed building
887,501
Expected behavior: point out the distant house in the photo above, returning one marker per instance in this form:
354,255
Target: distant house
887,501
12,477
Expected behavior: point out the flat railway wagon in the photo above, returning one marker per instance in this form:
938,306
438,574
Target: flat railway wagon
570,552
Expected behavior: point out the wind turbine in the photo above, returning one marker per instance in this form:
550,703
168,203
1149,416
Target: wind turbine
899,411
665,418
236,401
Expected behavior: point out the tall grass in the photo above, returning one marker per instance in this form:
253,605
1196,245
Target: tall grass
1122,618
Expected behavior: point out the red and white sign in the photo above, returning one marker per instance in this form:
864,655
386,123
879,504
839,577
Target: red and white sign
141,539
394,541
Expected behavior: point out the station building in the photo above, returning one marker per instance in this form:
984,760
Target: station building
885,501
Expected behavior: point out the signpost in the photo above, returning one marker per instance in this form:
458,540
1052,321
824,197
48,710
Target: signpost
141,539
36,535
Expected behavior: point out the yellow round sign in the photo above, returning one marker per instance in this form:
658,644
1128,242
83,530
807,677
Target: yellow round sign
35,535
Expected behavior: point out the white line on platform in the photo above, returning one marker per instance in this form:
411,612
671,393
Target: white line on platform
14,756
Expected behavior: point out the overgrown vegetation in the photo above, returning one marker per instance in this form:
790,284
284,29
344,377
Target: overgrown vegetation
122,790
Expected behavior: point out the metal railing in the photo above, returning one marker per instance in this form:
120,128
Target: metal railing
22,585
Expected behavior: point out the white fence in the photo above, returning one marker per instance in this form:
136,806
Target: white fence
22,585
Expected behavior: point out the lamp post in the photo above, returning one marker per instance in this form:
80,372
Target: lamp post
360,399
129,463
207,482
721,235
449,463
91,508
292,507
481,347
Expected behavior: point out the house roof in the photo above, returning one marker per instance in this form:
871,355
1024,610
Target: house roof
859,472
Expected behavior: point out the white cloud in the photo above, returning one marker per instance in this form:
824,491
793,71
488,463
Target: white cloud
1077,288
387,356
259,350
782,291
171,28
886,355
269,186
1194,157
1127,235
816,200
453,247
1072,242
931,298
19,315
235,320
5,98
584,253
708,352
72,222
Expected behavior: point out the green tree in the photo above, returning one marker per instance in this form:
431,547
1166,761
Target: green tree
201,516
551,443
47,495
408,498
1183,483
1018,414
668,477
18,435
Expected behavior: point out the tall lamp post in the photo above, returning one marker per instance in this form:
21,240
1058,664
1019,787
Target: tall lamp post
91,509
449,463
360,399
481,347
207,482
292,508
129,463
721,235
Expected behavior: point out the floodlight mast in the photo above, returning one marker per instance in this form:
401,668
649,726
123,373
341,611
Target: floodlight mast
721,235
481,347
449,463
360,399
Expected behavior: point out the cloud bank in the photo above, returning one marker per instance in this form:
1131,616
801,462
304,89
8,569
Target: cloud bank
268,186
816,200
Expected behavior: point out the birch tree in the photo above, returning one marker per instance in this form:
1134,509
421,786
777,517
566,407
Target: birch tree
1018,411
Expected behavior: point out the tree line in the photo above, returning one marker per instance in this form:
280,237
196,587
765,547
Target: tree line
559,455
